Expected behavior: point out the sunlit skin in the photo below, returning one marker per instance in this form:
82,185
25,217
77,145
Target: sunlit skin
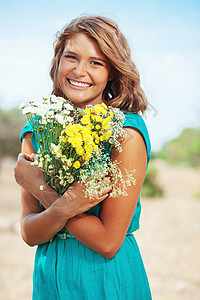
83,62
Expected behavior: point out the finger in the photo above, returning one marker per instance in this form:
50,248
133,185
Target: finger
34,156
107,189
103,183
101,175
103,197
106,180
24,156
104,191
21,156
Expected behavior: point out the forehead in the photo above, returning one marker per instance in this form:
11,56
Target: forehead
80,43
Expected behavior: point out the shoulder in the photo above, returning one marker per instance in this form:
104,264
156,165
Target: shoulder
28,135
133,149
134,120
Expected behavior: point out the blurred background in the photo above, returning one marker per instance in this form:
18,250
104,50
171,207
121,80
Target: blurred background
165,40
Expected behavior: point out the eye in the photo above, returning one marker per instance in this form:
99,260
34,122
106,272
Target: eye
96,63
70,57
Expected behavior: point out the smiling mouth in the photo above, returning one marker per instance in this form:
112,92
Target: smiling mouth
79,84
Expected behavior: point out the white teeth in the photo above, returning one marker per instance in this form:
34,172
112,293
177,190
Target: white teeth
79,83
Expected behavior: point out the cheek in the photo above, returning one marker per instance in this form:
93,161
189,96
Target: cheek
63,66
60,70
61,74
102,77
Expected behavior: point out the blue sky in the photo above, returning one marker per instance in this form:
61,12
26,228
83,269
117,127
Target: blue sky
164,37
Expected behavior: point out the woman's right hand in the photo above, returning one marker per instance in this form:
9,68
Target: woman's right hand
74,201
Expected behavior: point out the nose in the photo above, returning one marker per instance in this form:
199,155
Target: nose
80,69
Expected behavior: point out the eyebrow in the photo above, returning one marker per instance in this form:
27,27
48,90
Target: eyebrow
92,57
98,58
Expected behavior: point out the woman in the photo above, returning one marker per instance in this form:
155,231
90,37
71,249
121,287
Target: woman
90,255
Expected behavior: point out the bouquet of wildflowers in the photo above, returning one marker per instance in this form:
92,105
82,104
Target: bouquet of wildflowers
75,144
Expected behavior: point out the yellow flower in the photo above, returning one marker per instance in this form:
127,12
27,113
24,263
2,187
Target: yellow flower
98,119
86,156
79,136
102,138
87,111
76,141
72,140
72,129
104,105
111,114
89,126
88,139
98,105
103,111
85,131
95,147
85,119
77,127
88,148
69,163
80,150
94,134
69,130
105,124
108,134
97,109
77,164
97,126
79,143
97,140
101,131
64,139
79,139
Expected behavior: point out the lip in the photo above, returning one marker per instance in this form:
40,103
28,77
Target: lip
78,81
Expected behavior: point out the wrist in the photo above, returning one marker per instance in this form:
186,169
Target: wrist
60,207
57,218
56,199
47,196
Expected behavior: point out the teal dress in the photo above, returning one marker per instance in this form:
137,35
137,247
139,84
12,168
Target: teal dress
67,269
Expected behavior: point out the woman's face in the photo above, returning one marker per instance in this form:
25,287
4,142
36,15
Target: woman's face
83,71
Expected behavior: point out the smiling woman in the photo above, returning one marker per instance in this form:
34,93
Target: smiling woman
83,71
86,247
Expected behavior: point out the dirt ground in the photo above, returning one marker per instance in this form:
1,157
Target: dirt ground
169,238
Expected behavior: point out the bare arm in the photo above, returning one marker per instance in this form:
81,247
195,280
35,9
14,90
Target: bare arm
37,226
106,235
